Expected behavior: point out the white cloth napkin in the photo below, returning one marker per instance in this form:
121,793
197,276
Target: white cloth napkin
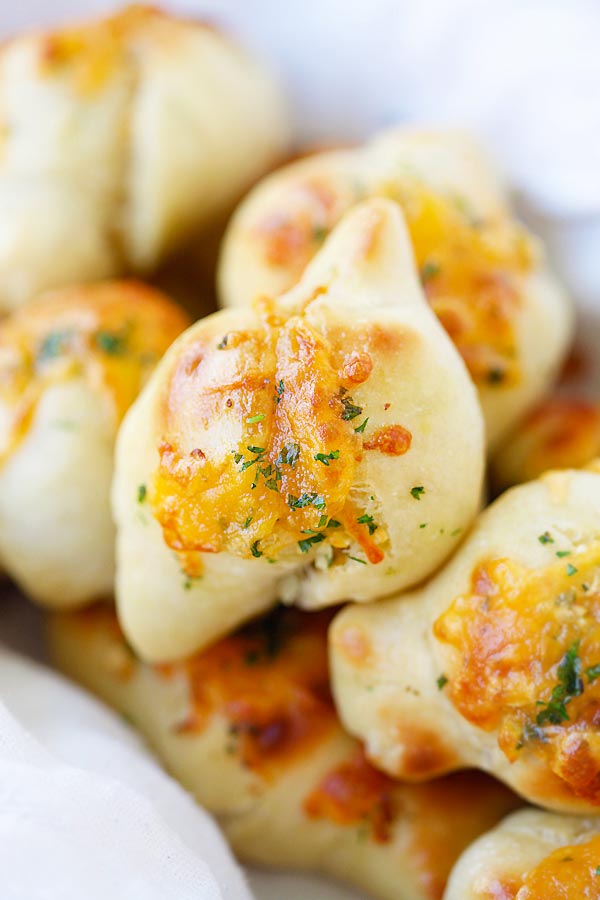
86,813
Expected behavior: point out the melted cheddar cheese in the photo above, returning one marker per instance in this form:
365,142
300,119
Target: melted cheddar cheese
263,458
92,54
570,873
354,793
270,682
471,269
528,661
562,433
110,334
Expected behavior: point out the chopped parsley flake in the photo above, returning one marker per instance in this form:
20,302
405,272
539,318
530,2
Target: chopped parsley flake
363,562
362,427
189,581
417,491
307,543
442,681
223,342
351,410
289,455
271,473
530,733
319,233
142,493
598,870
255,551
325,457
546,538
53,345
111,343
308,499
423,525
247,522
571,570
280,391
562,553
368,521
429,270
592,673
257,418
495,376
570,685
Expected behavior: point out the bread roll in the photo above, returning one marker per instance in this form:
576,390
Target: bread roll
249,728
531,855
562,432
70,366
118,140
485,277
292,450
495,663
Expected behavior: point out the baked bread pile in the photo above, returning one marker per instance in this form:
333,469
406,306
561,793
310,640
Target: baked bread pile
266,536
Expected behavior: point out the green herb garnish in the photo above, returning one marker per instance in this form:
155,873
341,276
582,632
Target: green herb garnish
546,538
325,457
257,418
307,499
495,376
289,455
442,681
368,521
429,270
592,673
362,426
416,492
142,493
307,543
53,345
570,685
111,343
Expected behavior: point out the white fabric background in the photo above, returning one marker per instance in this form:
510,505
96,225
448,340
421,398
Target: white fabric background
83,810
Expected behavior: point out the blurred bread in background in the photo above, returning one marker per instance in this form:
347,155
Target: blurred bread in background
71,364
121,139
